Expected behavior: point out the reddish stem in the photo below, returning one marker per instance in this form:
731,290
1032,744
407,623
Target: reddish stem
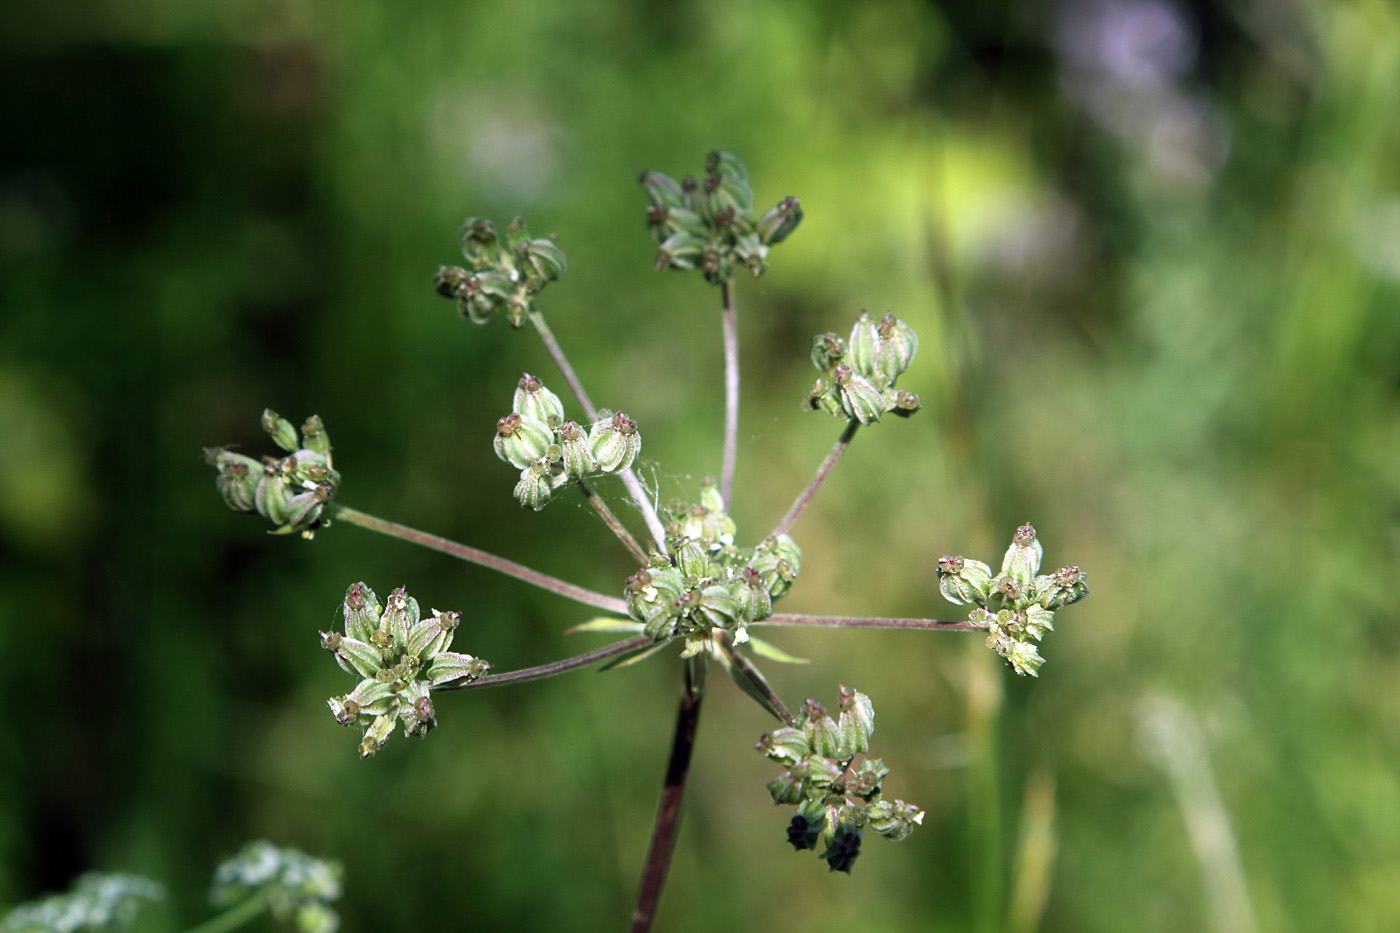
806,495
668,814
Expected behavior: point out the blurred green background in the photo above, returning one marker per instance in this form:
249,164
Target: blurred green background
1152,248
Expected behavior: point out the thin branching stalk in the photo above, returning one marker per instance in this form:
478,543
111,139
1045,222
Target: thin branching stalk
818,478
929,625
663,833
482,558
612,522
629,479
731,393
553,667
235,917
646,507
556,352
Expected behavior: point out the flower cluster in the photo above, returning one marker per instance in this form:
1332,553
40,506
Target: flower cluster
295,885
549,451
835,800
706,583
290,492
698,588
401,656
860,372
710,224
97,901
501,276
1018,605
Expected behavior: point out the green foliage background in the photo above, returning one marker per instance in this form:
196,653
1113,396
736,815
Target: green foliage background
1159,320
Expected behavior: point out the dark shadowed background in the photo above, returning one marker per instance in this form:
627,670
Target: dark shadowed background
1152,248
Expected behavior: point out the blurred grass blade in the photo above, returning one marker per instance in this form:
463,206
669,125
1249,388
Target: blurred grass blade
1035,855
1174,742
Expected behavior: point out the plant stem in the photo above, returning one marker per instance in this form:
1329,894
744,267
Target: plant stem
806,495
234,917
639,496
491,561
612,522
562,361
629,479
663,833
553,667
932,625
731,393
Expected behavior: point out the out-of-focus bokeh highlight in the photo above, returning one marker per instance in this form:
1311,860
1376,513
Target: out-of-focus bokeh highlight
1152,248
